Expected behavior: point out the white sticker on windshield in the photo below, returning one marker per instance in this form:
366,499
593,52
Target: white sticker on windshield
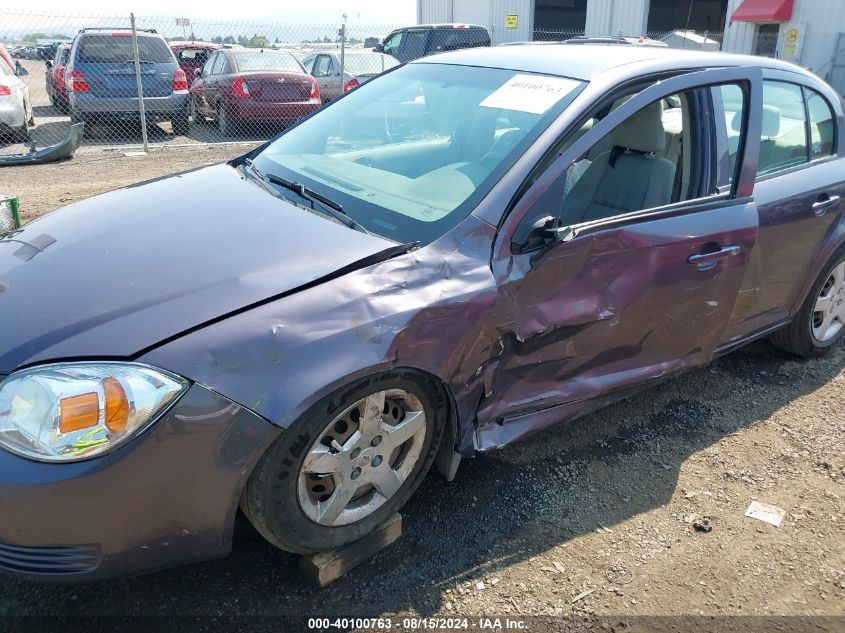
530,93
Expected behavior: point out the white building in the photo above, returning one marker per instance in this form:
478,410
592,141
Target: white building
808,32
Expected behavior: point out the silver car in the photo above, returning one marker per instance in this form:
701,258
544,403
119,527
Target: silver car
358,67
15,105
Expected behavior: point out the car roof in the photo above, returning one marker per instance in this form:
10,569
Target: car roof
449,25
187,44
586,61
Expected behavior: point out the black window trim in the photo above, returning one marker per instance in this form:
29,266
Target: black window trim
717,198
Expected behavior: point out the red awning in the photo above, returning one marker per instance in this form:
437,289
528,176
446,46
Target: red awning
763,11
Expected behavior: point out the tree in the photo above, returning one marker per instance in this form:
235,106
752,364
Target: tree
229,40
217,40
32,38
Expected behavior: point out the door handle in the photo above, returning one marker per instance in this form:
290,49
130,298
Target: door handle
706,261
820,206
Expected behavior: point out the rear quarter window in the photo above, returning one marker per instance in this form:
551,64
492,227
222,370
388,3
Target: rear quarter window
117,49
822,124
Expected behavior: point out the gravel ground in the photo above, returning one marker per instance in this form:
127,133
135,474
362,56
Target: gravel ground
597,518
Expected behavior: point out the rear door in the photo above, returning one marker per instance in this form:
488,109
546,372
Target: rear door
632,296
800,195
327,76
216,82
199,92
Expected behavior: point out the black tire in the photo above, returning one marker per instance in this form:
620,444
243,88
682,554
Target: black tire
270,498
224,122
196,116
797,337
180,124
21,134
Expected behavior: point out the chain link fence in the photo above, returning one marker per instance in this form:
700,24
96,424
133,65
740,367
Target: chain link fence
200,82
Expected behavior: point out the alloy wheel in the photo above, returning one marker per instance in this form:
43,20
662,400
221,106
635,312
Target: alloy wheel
362,458
829,311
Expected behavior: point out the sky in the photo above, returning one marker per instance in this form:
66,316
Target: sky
282,20
311,11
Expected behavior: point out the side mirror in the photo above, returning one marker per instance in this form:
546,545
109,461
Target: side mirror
379,48
49,63
197,72
20,71
543,232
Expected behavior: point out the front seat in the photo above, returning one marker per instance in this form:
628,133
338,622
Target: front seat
627,178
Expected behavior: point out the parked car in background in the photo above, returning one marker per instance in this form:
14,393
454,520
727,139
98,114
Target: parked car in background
101,82
241,88
15,104
192,55
7,59
55,79
358,68
413,42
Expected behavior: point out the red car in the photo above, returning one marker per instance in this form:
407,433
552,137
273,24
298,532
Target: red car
56,88
242,89
192,55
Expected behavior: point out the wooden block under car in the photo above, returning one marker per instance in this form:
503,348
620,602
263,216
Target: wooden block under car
326,567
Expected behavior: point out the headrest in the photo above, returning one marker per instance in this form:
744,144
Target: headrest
642,132
770,125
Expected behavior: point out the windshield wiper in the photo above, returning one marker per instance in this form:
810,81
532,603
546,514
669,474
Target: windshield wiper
329,206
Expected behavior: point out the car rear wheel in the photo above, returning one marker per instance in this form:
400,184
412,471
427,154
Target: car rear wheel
180,124
348,463
224,123
196,117
820,322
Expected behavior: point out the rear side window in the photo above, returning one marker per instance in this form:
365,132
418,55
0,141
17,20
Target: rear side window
219,65
783,138
117,49
323,67
270,62
821,124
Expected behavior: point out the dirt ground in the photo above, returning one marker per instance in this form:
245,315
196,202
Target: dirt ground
594,519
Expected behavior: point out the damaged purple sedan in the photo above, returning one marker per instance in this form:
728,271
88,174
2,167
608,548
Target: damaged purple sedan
467,249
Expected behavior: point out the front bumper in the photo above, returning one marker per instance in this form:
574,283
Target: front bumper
167,497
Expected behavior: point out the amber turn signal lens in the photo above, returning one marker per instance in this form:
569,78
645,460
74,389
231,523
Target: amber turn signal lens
79,412
117,405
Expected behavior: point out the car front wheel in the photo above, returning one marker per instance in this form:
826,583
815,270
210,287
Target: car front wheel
347,464
820,322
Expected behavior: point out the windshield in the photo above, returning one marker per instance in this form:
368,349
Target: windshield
410,153
370,64
268,62
117,49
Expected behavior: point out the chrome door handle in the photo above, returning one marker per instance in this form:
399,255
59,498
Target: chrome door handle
820,206
708,260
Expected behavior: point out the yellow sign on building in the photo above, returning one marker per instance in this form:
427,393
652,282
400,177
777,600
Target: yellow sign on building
511,21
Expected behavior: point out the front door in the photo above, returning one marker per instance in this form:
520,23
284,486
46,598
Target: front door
649,257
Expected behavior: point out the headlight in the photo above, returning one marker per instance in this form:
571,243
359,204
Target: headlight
73,411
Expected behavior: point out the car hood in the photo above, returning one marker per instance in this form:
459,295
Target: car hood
119,273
